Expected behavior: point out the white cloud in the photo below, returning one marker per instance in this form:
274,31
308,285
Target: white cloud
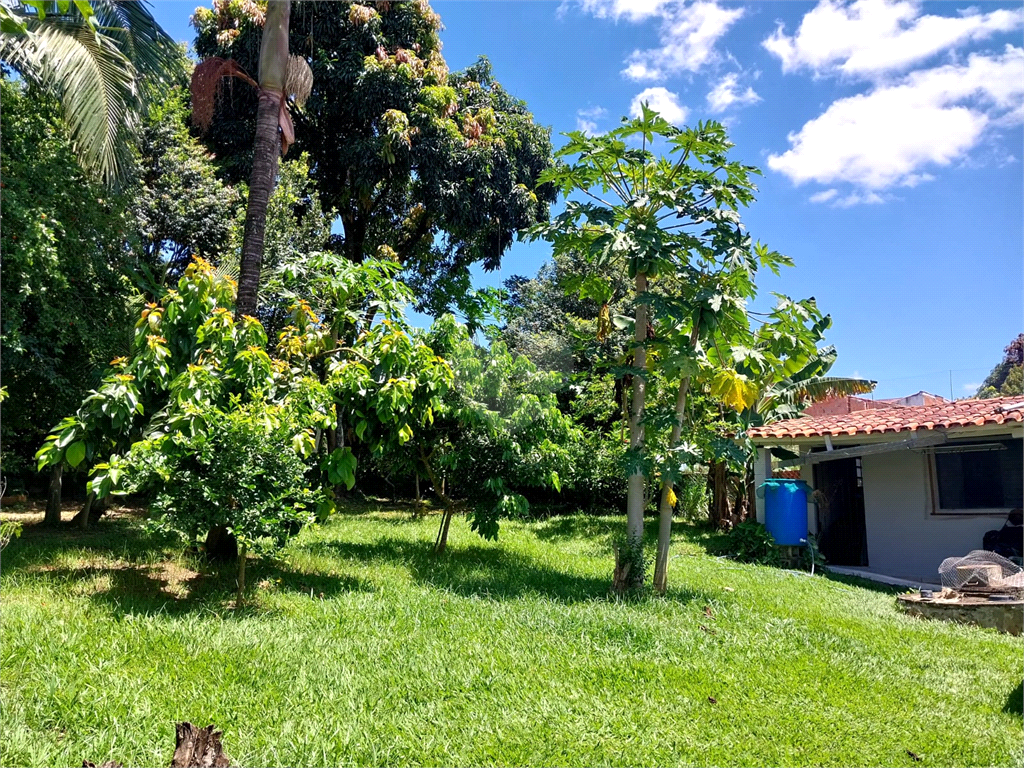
661,100
885,137
634,10
727,94
688,33
858,198
586,119
823,196
869,38
972,387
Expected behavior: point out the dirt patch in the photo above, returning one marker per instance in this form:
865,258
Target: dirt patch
31,512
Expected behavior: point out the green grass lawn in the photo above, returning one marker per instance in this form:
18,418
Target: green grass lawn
360,647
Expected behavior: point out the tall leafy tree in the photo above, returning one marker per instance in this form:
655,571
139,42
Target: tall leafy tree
439,170
1005,378
181,207
66,302
96,57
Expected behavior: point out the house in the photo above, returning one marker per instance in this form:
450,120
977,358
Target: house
849,404
898,489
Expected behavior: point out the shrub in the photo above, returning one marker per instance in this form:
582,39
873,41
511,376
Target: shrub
750,542
241,471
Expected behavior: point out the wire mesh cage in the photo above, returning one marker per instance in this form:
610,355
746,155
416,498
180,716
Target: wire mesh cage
981,571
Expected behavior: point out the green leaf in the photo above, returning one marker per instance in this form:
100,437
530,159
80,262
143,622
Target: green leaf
75,453
341,467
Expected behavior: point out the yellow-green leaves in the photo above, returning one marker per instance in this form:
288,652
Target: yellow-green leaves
734,389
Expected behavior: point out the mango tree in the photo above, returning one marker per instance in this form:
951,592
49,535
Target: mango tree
199,413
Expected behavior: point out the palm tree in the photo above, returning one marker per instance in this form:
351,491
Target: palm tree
97,57
282,79
271,113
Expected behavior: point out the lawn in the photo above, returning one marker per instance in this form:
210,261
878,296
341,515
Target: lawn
360,647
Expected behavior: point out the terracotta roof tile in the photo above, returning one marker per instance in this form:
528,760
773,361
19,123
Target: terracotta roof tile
959,413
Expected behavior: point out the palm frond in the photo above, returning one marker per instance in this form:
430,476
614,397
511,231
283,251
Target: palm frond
152,52
96,85
208,79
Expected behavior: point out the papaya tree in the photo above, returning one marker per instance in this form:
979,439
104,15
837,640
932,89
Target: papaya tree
671,222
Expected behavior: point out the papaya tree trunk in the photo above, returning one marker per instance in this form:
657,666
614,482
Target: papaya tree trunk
633,556
53,495
667,489
266,151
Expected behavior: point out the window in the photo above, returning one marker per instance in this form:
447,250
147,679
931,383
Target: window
979,477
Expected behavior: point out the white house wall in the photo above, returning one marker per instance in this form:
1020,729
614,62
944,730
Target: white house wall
904,538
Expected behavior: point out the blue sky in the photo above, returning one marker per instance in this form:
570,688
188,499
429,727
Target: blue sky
890,134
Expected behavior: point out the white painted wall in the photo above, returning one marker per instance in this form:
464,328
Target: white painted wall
760,473
904,538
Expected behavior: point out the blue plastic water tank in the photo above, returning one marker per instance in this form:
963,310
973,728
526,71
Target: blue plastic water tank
785,510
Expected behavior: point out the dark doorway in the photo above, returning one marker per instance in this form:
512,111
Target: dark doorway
839,493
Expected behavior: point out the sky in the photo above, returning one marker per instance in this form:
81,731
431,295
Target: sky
890,135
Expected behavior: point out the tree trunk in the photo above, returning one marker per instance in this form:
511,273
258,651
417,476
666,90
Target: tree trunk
53,495
266,151
240,600
718,510
441,541
665,508
739,506
198,748
628,575
82,518
221,546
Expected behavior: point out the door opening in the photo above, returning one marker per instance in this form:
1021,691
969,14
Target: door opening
839,493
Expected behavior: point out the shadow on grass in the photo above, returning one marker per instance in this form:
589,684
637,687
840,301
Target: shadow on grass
564,528
1015,702
480,571
136,572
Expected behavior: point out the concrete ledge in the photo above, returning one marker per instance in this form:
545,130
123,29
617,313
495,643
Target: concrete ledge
1005,616
881,578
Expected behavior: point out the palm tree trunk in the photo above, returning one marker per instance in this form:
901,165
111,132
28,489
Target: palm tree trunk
53,496
635,483
267,151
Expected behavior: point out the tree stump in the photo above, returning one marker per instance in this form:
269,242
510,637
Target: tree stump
198,748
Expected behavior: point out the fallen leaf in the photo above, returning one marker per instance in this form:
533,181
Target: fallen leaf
707,612
729,589
916,758
705,629
712,700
